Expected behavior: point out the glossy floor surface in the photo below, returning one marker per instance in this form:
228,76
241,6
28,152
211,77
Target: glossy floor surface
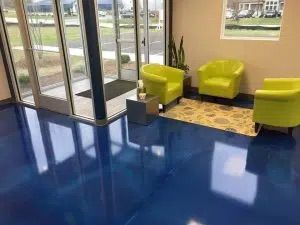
58,171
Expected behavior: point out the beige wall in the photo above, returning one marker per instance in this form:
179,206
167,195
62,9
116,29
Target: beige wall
199,21
4,89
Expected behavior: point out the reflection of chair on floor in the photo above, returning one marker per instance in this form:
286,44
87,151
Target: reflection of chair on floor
163,81
271,154
278,104
221,78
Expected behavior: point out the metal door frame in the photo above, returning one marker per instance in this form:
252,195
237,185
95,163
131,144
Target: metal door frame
64,106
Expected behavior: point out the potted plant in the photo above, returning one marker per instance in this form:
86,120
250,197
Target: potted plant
177,56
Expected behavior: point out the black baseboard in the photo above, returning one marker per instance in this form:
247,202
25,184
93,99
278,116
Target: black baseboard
241,96
6,101
246,97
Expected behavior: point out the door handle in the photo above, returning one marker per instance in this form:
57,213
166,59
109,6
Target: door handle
144,41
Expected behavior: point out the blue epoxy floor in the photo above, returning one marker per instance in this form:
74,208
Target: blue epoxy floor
58,171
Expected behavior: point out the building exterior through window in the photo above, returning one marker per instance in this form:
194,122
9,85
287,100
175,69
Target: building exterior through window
252,19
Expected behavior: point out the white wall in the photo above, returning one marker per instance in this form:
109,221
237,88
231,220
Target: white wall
199,21
4,89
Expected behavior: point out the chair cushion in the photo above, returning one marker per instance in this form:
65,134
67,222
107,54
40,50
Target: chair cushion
221,82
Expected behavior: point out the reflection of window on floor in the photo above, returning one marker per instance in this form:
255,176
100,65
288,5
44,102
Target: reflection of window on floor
158,151
36,140
194,222
87,140
229,176
252,19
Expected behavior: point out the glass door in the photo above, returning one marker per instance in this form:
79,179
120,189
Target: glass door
132,33
74,47
143,21
49,60
125,23
12,28
118,34
152,31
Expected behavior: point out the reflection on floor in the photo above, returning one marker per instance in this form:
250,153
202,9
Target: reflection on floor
55,170
83,106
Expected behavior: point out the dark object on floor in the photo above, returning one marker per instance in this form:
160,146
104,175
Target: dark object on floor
113,89
289,129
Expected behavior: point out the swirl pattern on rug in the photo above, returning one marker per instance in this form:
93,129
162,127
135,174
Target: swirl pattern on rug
228,118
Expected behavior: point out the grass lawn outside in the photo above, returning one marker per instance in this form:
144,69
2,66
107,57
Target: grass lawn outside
48,35
252,33
255,21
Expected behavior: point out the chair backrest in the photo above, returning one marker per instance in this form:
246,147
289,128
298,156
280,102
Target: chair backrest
225,67
155,69
296,83
282,83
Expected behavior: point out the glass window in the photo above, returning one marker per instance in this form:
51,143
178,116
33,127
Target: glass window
45,44
156,31
17,50
254,23
80,79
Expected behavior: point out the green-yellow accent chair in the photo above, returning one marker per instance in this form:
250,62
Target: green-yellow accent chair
221,78
278,104
163,81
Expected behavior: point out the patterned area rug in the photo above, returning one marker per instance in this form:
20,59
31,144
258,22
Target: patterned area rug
228,118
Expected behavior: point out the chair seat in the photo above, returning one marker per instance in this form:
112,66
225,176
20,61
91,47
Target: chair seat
218,82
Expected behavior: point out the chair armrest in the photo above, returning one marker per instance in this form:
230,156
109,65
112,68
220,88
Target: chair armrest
203,72
281,83
280,95
203,68
239,71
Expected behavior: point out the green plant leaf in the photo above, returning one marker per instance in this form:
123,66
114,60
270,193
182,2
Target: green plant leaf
175,53
183,56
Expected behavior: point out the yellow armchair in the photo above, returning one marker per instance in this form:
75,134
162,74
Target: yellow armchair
278,104
221,78
163,81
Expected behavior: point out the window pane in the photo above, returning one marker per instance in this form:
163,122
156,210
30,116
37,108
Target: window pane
256,19
80,80
156,31
118,44
44,39
50,74
108,38
17,50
